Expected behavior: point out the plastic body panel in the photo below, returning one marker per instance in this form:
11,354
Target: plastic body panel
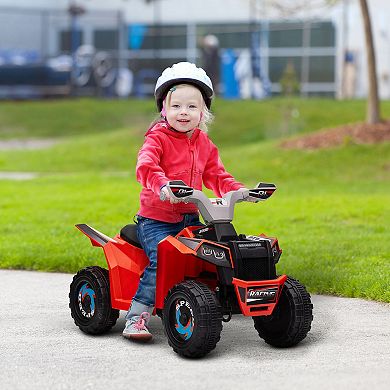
176,263
126,263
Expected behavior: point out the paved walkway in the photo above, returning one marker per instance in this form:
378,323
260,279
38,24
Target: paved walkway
26,144
40,348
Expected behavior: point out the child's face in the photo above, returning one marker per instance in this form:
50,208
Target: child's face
184,108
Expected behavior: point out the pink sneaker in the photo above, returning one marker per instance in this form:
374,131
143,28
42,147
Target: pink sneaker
137,330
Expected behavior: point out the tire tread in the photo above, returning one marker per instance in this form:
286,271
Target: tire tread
109,316
303,316
209,321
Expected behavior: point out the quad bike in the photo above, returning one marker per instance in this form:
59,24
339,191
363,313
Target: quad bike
204,276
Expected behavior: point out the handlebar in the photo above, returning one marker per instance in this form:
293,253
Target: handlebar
217,209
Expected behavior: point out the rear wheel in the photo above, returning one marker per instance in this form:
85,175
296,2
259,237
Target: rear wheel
89,301
291,319
192,319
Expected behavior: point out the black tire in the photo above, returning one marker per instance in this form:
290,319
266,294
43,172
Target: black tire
291,319
89,301
192,318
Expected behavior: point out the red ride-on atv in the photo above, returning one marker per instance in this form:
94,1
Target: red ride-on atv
204,275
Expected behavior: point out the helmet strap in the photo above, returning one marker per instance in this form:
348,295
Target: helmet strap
173,129
164,111
200,119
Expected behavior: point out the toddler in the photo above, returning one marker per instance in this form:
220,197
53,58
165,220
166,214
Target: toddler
175,148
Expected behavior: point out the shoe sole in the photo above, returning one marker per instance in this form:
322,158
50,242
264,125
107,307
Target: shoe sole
138,337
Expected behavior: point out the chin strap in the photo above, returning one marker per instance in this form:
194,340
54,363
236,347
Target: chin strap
182,132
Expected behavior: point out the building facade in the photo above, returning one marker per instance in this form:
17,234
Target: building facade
324,46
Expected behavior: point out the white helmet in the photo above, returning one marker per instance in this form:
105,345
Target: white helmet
183,72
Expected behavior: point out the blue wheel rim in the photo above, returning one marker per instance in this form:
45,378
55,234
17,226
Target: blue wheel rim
184,319
86,300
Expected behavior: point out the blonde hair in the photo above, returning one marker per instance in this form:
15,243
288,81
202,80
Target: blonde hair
207,116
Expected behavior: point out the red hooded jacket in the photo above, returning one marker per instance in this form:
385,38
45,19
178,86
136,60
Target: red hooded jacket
169,155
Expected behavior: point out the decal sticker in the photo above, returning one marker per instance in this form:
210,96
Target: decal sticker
250,245
257,238
184,314
218,201
181,192
258,295
218,254
204,230
85,294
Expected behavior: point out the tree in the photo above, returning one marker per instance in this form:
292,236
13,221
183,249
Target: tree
373,105
289,82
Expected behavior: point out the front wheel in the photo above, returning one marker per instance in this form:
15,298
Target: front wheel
291,319
192,318
89,301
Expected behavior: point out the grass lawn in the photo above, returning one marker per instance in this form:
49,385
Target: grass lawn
331,211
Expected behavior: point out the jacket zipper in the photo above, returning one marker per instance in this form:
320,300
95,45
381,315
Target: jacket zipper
192,162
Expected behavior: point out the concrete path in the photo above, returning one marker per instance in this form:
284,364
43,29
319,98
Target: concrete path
27,144
41,348
17,175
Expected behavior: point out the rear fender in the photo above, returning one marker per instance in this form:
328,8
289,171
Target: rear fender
126,263
97,238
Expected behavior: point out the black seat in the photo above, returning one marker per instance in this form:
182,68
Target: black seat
129,234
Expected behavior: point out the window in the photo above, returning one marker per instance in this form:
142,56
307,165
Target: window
229,35
322,34
105,39
66,40
165,37
322,69
286,35
277,66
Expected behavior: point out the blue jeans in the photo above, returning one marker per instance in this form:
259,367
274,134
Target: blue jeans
150,232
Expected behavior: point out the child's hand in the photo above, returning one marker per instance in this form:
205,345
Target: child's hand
249,199
164,195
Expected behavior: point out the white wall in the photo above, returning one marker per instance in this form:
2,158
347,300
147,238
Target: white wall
175,10
140,11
